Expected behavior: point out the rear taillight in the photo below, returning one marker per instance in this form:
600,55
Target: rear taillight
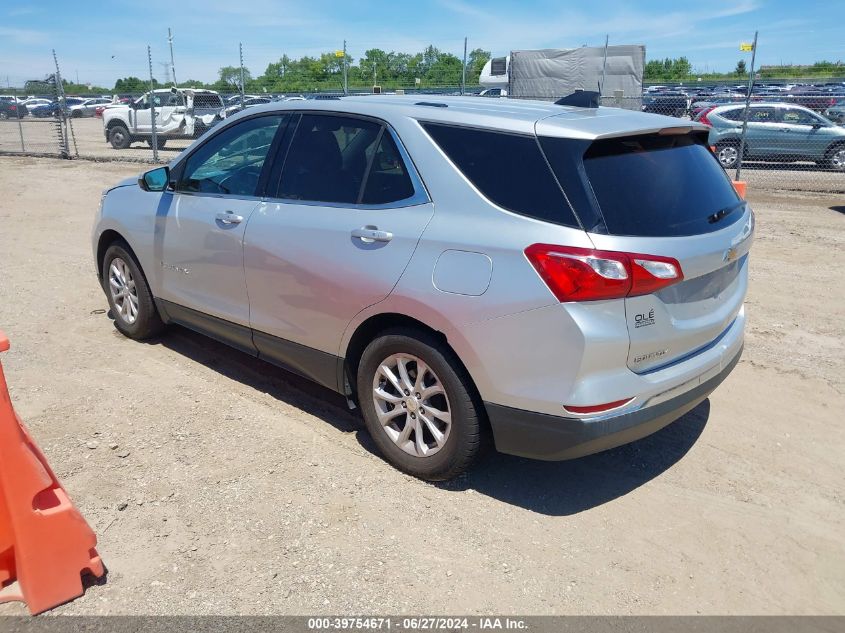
13,107
702,117
583,274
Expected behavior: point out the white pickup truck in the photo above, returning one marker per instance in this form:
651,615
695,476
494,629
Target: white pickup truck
179,113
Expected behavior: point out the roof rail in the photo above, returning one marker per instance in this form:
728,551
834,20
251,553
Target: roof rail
581,99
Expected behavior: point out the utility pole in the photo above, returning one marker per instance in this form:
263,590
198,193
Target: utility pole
747,106
374,75
172,64
345,81
464,70
241,52
152,105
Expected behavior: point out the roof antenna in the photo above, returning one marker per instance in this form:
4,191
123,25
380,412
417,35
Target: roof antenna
580,99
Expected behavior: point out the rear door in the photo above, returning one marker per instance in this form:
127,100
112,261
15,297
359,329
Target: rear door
346,215
666,195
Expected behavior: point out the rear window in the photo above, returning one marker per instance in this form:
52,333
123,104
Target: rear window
654,185
508,169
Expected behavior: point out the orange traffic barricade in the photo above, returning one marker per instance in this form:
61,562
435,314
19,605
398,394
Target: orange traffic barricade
45,544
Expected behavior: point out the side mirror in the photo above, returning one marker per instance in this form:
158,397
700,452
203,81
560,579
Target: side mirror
155,179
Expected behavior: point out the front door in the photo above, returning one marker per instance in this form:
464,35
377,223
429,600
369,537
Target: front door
333,237
199,231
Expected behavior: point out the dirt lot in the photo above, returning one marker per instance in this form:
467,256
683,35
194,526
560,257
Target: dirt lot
244,490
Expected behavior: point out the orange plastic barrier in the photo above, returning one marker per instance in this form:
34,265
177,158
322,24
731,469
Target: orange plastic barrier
45,544
740,187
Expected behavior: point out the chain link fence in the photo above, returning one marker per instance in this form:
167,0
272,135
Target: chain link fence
794,135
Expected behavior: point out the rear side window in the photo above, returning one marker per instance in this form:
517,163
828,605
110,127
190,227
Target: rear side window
328,159
508,169
387,180
657,185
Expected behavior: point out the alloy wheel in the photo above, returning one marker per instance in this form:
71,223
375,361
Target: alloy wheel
412,405
728,155
124,294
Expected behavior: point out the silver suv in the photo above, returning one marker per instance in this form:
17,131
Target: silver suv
559,279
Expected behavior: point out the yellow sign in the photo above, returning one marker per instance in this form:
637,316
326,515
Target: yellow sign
746,46
338,53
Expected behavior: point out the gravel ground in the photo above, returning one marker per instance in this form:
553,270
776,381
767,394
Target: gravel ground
221,485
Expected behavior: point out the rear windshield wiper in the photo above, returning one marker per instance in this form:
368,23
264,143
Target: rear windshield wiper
712,219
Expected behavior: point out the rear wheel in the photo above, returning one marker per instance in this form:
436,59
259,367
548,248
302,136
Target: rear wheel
418,404
119,137
728,154
130,299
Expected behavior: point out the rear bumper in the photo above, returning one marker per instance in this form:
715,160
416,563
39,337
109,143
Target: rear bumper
550,437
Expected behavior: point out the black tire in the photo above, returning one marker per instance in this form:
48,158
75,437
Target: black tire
834,158
160,142
4,116
76,114
119,137
724,156
147,322
463,442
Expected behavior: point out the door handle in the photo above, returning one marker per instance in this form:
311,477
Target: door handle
370,234
229,218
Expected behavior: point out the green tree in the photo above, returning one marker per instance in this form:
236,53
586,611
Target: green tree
740,67
133,84
230,78
475,64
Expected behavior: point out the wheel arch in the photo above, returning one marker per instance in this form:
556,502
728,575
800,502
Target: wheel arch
372,327
107,238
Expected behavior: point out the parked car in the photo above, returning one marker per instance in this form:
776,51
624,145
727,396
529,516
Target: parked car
11,109
54,108
494,92
87,107
674,104
248,103
180,113
836,112
302,233
777,132
34,102
811,98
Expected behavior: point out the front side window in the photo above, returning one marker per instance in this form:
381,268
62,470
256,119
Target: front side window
328,159
231,161
794,116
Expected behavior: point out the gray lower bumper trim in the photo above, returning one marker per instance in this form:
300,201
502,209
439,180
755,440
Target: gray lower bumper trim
550,437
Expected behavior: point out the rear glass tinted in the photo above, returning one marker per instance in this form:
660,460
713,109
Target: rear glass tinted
655,186
508,169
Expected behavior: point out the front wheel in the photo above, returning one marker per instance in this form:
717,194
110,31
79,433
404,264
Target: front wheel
130,299
119,137
836,158
418,404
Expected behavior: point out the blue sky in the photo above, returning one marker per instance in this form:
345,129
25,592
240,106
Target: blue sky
104,40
